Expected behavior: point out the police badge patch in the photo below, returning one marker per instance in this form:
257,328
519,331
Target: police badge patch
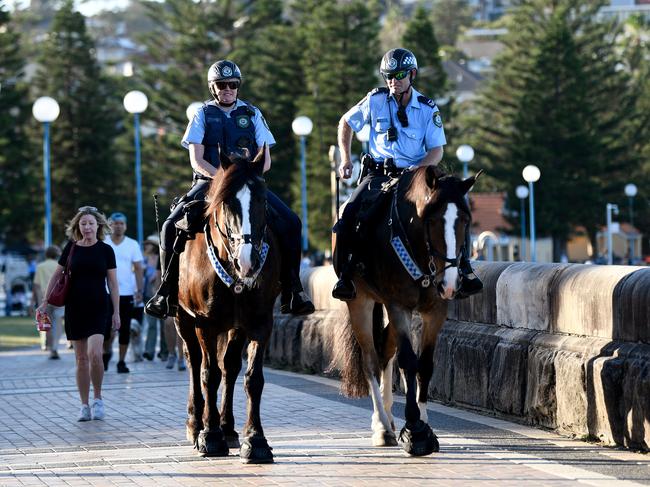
392,63
243,121
227,72
437,119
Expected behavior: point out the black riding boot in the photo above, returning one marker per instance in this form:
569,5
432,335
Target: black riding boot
469,282
165,301
293,299
344,289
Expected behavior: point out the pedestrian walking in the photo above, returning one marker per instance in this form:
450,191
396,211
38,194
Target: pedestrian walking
42,275
87,305
151,283
129,277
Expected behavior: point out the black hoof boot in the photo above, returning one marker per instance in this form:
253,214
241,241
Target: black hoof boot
296,303
418,439
255,449
212,444
344,290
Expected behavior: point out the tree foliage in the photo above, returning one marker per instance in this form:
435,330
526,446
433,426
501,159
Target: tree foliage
83,166
20,207
557,100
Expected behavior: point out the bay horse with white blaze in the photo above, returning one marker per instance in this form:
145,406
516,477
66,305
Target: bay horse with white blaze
410,263
228,285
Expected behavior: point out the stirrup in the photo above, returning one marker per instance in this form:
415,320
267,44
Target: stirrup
298,304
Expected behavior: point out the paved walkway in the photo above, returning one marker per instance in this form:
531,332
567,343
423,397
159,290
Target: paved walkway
319,438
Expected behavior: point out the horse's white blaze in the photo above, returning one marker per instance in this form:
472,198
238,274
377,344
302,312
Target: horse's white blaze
451,274
245,250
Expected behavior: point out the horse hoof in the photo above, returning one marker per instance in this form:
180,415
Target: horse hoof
255,449
418,440
212,444
384,438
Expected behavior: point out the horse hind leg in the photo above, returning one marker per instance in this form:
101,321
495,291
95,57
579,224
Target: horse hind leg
195,402
385,343
361,314
232,359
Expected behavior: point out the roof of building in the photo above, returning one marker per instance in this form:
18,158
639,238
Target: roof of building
487,212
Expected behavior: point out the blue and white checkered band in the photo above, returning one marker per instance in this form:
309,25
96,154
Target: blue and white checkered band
392,63
218,268
227,71
410,266
263,253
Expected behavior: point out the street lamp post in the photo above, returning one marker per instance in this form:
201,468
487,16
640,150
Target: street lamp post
302,127
630,192
136,102
611,208
465,154
46,110
531,174
522,194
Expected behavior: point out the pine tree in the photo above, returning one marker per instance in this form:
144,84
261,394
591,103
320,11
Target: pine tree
83,168
20,206
419,37
450,17
340,60
557,101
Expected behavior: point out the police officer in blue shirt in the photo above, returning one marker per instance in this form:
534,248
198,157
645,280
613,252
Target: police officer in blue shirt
405,132
229,124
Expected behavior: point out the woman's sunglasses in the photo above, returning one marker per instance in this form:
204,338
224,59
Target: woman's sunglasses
400,75
222,85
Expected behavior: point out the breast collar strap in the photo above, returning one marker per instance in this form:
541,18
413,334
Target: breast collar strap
235,285
401,246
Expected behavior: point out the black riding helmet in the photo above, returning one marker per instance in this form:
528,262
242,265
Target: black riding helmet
223,69
397,60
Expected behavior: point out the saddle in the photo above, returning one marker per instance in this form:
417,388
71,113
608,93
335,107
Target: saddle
193,220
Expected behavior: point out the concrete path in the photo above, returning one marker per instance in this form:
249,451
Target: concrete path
318,437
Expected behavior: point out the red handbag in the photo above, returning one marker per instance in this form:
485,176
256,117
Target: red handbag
60,289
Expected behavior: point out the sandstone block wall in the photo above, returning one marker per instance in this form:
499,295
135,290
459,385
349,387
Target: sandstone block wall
562,346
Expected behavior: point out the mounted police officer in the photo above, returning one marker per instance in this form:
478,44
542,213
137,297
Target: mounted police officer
228,124
405,132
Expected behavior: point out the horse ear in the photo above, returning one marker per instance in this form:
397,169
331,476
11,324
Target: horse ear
224,160
467,184
260,160
432,174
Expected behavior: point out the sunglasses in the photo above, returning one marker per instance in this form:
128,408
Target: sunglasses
222,85
400,75
87,208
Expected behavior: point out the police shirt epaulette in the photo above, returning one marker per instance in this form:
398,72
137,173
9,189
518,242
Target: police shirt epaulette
381,89
427,101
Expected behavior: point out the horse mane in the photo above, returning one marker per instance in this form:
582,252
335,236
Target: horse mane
227,182
446,188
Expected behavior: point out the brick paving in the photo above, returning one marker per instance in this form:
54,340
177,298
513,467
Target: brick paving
318,437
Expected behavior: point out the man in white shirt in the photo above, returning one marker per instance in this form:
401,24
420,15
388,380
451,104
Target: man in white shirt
128,257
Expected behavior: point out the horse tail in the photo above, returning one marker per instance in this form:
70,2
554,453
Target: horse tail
347,358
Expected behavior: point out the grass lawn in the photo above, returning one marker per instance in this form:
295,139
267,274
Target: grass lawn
18,331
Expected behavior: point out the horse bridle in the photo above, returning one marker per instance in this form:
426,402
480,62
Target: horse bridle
432,252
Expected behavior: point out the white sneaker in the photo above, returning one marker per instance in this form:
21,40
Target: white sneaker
98,409
84,413
171,360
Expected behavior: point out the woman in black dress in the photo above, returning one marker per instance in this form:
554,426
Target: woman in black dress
87,307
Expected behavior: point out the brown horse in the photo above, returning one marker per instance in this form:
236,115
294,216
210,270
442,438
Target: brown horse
228,285
410,263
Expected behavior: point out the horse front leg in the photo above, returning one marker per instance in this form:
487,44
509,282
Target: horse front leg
211,442
195,403
255,448
416,436
361,316
231,368
432,322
